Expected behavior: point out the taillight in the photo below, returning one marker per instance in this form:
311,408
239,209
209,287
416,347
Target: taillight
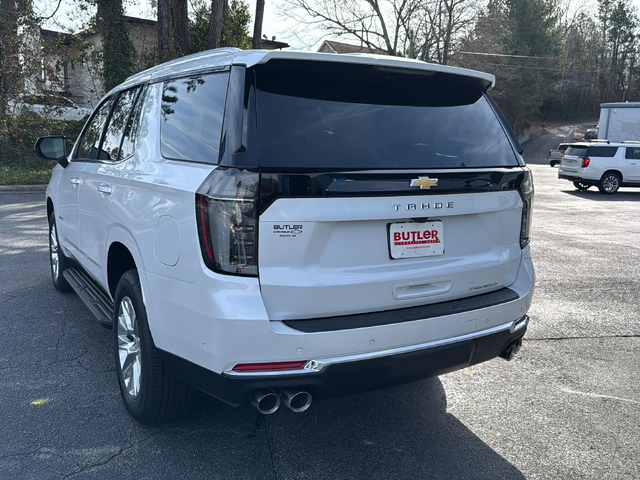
526,192
227,221
585,161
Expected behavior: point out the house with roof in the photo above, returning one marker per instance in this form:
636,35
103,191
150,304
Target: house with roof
331,46
72,61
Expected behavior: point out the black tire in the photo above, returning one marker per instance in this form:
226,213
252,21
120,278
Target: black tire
160,398
581,186
609,183
59,281
554,163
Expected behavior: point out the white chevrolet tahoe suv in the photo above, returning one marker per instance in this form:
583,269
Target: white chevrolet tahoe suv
286,226
608,166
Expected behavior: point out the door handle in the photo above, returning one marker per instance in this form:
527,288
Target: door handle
75,182
105,189
632,163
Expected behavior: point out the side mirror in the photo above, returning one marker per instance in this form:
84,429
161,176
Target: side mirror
52,148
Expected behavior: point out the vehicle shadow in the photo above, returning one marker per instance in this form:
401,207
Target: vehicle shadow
594,195
401,432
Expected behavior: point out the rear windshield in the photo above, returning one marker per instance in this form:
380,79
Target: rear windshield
323,115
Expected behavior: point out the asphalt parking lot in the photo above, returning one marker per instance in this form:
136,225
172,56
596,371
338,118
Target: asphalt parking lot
568,406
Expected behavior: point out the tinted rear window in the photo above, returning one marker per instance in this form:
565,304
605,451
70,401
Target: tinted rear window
577,151
192,112
602,151
324,115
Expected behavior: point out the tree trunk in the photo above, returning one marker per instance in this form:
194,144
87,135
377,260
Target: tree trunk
180,19
257,28
164,45
9,64
215,23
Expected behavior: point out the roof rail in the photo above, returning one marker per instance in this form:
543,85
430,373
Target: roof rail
599,140
631,141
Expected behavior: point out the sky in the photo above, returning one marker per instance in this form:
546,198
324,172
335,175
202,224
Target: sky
272,25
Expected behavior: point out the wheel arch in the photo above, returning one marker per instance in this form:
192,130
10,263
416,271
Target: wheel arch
612,170
119,261
123,254
49,207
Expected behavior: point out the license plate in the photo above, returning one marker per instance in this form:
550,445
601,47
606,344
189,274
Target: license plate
409,240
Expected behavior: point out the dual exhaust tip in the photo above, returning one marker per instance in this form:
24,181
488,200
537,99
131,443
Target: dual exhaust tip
268,402
510,352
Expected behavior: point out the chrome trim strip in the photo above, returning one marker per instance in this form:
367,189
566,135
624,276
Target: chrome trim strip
316,366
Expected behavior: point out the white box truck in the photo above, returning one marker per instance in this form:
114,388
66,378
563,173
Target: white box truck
619,122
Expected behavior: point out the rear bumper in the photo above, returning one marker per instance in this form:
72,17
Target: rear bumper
576,178
349,375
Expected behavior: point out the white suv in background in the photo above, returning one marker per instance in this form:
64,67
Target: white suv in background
608,166
288,226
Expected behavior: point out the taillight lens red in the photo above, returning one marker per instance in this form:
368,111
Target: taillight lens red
269,367
585,162
526,192
227,221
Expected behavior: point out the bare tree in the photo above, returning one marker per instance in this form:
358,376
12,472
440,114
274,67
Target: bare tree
257,28
424,29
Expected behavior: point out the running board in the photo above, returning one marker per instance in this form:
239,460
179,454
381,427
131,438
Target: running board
91,294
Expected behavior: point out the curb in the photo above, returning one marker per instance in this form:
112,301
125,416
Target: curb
22,188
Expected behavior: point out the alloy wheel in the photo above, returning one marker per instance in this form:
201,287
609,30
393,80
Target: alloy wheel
55,255
611,183
129,347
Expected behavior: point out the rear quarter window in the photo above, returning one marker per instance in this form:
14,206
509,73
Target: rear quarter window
576,151
606,152
192,114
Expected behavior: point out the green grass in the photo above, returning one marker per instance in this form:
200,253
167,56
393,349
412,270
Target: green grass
31,171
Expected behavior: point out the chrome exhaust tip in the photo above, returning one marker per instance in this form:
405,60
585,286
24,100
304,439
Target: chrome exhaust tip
296,401
265,401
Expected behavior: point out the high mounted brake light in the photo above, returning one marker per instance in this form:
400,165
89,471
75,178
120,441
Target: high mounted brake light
227,221
526,192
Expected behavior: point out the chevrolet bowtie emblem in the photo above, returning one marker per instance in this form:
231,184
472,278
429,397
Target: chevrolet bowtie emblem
424,182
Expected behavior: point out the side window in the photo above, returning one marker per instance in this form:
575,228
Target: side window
192,111
606,152
132,130
110,149
633,153
90,142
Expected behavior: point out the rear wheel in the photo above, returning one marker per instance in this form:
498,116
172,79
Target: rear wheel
149,394
581,186
57,260
553,163
609,184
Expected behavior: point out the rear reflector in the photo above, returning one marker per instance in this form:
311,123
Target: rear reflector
268,367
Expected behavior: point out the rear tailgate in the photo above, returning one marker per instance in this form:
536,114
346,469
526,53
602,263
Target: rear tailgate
380,190
322,257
